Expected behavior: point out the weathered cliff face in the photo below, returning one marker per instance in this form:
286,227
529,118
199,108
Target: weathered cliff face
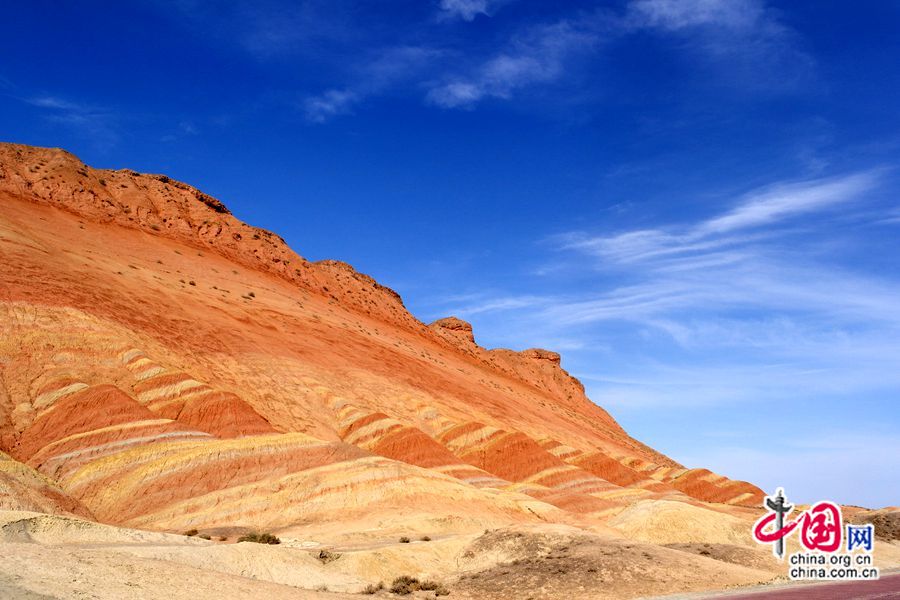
164,365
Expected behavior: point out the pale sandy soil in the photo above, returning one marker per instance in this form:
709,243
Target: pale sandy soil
50,556
63,557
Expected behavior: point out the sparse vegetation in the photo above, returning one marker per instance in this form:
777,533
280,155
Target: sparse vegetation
373,589
404,540
205,537
425,538
405,585
191,532
223,538
259,538
327,556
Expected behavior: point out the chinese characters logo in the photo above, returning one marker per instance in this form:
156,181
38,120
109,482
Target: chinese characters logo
821,527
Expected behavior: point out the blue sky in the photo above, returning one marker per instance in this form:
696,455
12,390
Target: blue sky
696,203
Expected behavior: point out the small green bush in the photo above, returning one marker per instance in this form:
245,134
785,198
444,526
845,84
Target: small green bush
191,532
404,540
425,538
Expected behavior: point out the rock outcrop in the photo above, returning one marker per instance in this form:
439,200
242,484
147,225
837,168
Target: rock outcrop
164,365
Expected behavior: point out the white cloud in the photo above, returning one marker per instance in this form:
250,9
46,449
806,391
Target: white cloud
538,56
739,286
708,239
456,94
743,43
679,14
466,10
786,200
323,107
483,304
744,40
747,42
385,69
57,103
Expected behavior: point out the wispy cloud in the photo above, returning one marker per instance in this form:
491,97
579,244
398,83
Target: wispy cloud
751,293
468,10
480,303
787,200
96,123
184,129
383,70
537,56
680,14
709,238
271,29
744,37
58,104
331,103
746,42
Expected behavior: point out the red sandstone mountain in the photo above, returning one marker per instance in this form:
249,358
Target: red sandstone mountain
164,366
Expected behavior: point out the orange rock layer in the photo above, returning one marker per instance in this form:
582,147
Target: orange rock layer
163,364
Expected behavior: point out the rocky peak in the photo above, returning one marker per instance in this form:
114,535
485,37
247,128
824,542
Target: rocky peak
541,354
455,328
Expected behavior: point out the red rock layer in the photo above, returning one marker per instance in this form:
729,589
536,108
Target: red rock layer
90,409
513,456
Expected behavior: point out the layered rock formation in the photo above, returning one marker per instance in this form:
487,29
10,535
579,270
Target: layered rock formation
164,366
